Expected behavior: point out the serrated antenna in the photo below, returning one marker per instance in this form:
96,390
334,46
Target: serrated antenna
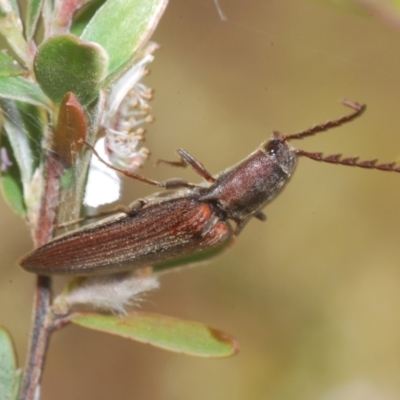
358,110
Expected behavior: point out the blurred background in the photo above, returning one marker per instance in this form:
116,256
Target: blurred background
312,295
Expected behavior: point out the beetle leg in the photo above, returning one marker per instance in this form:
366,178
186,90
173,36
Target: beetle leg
133,208
260,216
197,166
188,160
177,183
125,172
174,183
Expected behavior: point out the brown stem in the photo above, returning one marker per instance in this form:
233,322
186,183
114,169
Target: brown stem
43,232
42,316
40,334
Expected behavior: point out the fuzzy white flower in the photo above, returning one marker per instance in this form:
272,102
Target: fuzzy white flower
111,293
126,111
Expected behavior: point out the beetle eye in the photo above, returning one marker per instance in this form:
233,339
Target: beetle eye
272,147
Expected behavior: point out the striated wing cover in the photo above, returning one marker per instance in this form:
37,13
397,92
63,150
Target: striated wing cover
159,232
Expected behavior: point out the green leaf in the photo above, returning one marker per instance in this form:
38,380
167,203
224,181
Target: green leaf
13,126
122,27
8,66
19,88
173,334
33,10
35,124
70,131
11,183
193,259
73,182
66,64
13,193
12,30
63,14
17,383
83,17
25,126
8,372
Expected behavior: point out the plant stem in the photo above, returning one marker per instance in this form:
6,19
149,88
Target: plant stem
40,335
42,315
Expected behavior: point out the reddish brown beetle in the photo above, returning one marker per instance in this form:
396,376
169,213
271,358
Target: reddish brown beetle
191,220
